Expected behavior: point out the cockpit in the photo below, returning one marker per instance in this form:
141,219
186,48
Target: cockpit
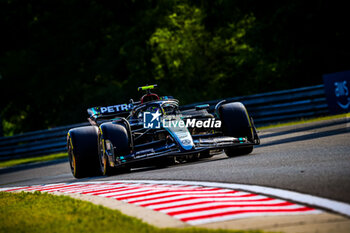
162,107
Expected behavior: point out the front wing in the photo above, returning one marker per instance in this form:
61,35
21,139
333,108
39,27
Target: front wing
201,145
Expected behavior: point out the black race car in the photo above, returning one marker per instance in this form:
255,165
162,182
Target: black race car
153,131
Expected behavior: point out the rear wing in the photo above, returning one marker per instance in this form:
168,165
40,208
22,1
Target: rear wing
109,111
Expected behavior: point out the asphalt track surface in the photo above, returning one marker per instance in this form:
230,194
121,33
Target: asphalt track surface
311,158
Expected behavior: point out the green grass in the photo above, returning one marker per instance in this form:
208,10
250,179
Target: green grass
14,162
41,212
307,120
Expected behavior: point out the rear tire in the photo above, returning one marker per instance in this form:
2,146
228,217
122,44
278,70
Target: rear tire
83,151
118,136
236,123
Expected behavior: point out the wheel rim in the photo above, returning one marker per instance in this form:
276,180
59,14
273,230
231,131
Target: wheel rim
72,161
103,161
104,165
74,166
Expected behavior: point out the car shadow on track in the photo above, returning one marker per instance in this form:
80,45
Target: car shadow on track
151,168
215,158
306,128
306,137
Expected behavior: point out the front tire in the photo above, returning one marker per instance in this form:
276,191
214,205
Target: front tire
236,123
116,136
83,151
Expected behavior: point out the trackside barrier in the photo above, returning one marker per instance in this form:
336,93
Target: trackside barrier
35,143
264,108
279,106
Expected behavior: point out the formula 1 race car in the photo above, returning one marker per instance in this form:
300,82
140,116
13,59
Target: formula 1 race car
153,131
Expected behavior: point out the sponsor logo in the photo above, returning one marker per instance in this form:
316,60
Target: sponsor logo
116,108
341,90
156,120
186,142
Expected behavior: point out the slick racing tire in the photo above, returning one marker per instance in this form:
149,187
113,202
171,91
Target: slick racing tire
113,139
83,151
236,123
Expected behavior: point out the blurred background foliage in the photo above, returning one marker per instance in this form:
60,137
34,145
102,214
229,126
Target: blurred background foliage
58,58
